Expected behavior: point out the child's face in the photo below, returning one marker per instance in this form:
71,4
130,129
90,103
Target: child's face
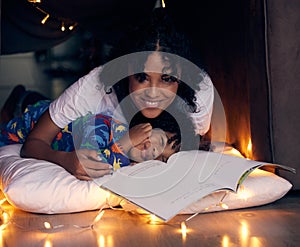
156,147
153,90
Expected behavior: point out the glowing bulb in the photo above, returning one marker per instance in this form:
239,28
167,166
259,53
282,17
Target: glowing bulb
249,146
183,228
45,19
2,201
153,217
63,28
99,216
71,27
5,217
243,193
223,205
34,1
47,225
249,149
154,220
163,4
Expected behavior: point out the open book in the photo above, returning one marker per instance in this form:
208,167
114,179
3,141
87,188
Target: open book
164,189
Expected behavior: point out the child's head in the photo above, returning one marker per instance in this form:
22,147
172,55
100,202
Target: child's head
166,139
152,55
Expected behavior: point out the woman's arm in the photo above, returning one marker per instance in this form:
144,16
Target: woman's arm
83,164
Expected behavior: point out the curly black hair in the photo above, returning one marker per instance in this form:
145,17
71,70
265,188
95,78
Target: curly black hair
158,34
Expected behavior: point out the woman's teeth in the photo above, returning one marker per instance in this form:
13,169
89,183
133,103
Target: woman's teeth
151,103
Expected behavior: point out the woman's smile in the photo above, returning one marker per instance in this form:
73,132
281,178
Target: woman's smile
151,103
150,97
143,101
151,107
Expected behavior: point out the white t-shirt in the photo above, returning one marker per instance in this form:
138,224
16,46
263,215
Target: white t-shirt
88,95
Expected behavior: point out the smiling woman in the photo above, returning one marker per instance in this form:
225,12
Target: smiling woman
149,71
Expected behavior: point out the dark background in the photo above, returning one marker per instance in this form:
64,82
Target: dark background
249,48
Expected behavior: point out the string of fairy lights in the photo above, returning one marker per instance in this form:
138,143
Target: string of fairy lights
64,24
7,220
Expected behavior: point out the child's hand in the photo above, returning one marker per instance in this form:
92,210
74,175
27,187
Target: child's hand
136,135
139,133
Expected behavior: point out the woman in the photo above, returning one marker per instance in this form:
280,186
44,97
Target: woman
149,73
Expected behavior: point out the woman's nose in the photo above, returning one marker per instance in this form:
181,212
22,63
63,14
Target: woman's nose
152,91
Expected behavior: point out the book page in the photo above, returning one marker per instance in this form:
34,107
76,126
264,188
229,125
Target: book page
164,189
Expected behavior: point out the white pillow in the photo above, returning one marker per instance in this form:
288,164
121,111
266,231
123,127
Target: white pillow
43,187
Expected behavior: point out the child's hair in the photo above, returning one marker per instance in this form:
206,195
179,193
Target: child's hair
184,140
156,34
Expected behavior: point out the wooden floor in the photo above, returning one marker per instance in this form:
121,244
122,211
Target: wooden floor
276,224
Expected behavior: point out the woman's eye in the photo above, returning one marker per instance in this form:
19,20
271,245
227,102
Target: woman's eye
169,79
140,77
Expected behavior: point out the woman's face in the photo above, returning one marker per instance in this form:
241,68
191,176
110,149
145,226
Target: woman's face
153,90
156,147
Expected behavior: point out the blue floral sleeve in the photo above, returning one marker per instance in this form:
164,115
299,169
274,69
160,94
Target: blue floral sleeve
100,132
17,129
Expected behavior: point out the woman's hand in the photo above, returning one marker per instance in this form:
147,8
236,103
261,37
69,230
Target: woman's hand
85,165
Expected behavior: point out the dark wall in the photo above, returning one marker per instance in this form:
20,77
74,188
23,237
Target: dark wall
251,49
218,30
273,73
283,22
259,83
